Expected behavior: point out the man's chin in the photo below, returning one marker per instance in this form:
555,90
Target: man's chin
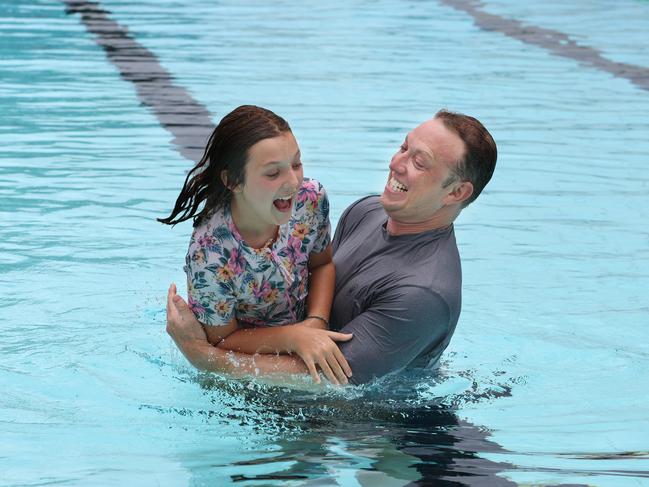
389,203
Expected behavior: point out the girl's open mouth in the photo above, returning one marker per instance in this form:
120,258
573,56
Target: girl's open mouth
283,204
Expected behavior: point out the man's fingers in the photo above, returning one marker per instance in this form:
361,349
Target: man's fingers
181,305
343,362
340,337
170,295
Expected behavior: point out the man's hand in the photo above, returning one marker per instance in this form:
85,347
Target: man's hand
182,325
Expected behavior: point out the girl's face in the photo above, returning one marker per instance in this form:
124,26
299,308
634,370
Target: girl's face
273,175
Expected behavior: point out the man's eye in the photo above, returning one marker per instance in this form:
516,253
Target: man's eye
273,175
297,165
403,148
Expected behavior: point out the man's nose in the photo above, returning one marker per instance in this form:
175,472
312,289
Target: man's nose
397,162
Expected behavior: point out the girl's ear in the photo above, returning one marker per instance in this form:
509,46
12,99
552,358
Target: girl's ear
224,180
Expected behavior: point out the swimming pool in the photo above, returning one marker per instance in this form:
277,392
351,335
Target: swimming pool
545,380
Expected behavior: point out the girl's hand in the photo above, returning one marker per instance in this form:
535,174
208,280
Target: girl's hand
318,347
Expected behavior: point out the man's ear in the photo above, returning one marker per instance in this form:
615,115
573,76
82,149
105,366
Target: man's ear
462,191
224,180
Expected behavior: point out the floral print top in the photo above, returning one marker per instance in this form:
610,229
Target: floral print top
260,287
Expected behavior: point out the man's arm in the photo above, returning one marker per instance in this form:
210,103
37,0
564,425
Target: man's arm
190,337
393,331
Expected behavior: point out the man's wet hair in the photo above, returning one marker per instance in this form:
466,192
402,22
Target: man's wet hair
479,161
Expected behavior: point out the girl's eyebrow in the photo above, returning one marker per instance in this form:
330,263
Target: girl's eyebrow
295,156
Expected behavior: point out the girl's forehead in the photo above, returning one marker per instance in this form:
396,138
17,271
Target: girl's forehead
282,149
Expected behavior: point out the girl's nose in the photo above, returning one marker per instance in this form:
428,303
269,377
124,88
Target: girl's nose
295,179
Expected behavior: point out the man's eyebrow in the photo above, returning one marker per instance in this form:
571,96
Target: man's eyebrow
427,154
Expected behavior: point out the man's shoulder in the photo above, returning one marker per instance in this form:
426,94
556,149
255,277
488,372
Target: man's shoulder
358,209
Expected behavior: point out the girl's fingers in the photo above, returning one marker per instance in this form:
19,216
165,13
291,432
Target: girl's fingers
340,337
312,370
324,366
343,362
335,366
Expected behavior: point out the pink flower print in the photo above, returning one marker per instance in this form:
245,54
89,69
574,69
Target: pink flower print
307,193
205,241
196,307
294,252
236,262
233,228
293,249
262,291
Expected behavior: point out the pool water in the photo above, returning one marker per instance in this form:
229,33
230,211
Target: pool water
545,381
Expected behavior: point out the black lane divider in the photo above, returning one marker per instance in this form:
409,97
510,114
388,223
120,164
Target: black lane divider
185,118
554,41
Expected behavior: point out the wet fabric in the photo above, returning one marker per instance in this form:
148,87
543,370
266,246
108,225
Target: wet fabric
399,295
260,287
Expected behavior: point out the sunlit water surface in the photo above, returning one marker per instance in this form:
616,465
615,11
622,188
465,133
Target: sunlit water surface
545,381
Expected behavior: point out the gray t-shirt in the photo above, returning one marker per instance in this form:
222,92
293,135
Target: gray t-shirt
399,295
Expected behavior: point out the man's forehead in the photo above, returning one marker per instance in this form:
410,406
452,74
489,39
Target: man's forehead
438,139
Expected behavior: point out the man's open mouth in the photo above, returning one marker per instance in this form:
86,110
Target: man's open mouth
396,186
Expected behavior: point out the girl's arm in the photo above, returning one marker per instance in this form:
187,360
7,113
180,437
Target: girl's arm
216,334
322,280
281,339
317,347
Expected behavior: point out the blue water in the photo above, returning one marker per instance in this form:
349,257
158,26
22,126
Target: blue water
545,380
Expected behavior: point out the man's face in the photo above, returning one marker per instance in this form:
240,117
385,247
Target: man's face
420,172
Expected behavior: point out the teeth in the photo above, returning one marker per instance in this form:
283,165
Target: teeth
397,186
285,198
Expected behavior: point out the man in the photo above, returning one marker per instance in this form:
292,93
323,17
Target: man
398,274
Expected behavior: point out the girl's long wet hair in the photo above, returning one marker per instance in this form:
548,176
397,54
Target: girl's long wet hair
226,150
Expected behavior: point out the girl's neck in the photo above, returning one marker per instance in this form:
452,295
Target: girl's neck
256,235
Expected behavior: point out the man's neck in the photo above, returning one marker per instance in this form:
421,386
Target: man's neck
396,228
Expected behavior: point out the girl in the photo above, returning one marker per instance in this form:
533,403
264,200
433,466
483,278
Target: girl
260,253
